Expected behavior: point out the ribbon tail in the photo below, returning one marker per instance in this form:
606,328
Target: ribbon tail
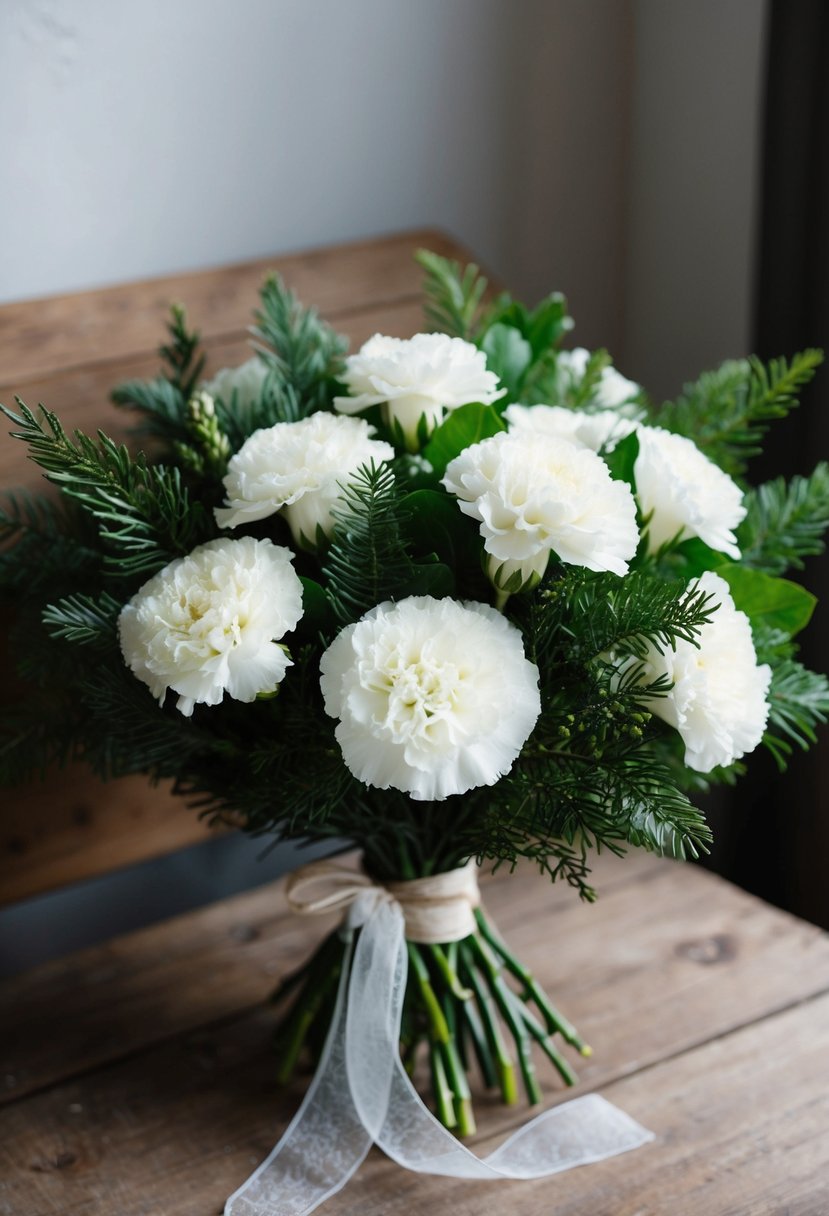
324,1144
577,1132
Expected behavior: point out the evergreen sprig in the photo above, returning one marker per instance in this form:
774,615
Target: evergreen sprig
582,615
369,560
182,353
44,543
785,522
453,295
304,351
799,702
144,513
727,412
88,620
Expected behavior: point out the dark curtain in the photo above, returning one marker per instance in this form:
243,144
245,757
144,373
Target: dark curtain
773,831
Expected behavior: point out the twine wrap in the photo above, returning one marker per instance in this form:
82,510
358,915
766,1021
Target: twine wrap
361,1094
437,909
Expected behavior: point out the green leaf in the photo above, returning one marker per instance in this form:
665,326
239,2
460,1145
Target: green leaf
467,425
622,459
317,612
508,355
547,324
774,603
699,557
432,578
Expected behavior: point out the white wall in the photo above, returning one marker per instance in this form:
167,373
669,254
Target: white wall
176,134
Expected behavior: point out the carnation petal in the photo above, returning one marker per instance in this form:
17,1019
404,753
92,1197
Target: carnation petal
434,697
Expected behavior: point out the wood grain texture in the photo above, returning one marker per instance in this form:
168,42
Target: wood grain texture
60,332
681,981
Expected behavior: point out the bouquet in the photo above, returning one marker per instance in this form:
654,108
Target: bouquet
459,599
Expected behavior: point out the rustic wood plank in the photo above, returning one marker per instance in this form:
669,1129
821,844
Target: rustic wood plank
190,971
81,395
714,958
60,332
736,1105
72,826
742,1127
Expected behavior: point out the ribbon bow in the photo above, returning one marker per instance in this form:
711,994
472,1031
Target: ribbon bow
361,1094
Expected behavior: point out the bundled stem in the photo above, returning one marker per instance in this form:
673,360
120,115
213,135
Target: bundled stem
472,999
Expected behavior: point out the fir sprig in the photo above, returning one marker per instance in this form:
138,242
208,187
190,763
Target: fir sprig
785,522
304,351
88,620
453,295
799,703
369,560
144,513
727,412
581,615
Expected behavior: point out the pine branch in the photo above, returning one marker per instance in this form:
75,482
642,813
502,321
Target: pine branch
453,295
182,354
144,513
88,620
161,404
304,351
368,561
727,412
582,616
43,543
785,522
799,702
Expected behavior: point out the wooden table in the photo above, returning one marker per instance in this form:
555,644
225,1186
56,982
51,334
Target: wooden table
136,1077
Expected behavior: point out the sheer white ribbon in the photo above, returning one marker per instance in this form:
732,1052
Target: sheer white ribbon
361,1094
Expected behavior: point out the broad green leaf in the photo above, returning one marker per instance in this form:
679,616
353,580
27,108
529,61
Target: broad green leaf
508,355
436,523
547,323
467,425
432,578
317,613
776,603
699,557
623,458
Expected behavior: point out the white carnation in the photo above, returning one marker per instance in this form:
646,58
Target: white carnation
535,494
434,697
687,494
210,623
417,377
613,391
246,381
718,700
298,468
603,429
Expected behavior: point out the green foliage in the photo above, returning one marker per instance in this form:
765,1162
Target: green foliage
727,412
89,620
453,295
509,355
462,427
304,352
45,543
775,603
182,354
785,522
583,616
144,513
369,559
799,701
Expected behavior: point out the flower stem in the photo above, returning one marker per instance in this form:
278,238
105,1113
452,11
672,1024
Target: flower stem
504,1067
440,1087
554,1019
490,969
